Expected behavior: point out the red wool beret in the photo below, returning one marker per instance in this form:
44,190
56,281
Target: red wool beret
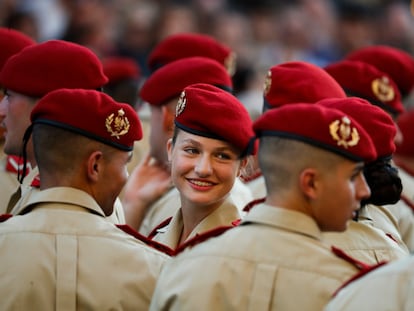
11,42
169,81
184,45
378,124
297,81
406,124
118,68
398,64
320,126
51,65
364,80
92,114
208,111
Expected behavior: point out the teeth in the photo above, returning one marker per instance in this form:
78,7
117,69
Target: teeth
201,183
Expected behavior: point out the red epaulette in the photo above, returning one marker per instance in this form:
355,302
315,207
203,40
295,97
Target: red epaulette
4,217
154,231
363,267
199,238
36,182
251,204
246,179
14,164
407,201
161,247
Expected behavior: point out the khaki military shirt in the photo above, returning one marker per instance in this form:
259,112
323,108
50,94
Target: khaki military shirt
225,215
8,183
170,202
389,288
274,260
27,190
368,244
63,255
257,187
403,210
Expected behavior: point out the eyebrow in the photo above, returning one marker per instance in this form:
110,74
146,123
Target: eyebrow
221,148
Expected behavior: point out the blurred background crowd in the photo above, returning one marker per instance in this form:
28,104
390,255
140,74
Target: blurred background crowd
261,32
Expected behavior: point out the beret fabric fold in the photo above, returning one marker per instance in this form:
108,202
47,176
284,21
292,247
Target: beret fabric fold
320,126
298,81
11,42
185,45
54,64
378,124
92,114
169,81
208,111
364,80
397,63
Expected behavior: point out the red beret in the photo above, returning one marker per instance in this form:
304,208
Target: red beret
378,124
398,64
364,80
120,68
320,126
11,42
184,45
51,65
406,124
92,114
208,111
298,81
168,81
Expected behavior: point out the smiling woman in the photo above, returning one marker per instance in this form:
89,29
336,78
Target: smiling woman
206,156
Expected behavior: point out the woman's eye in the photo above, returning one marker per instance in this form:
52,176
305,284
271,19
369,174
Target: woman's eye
223,156
191,150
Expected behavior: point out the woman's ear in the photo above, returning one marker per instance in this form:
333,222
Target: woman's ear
169,148
94,165
308,182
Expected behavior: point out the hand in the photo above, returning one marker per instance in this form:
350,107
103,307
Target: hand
147,183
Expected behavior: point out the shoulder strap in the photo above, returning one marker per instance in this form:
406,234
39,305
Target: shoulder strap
251,204
158,246
4,217
199,238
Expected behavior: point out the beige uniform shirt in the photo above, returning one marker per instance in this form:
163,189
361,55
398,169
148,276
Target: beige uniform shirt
222,216
257,187
8,184
63,255
368,244
170,202
26,191
402,212
274,260
390,288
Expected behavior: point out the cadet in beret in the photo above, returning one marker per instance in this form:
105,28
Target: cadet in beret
206,155
124,80
396,63
183,45
387,288
275,259
66,247
11,42
363,240
287,83
31,74
364,80
148,197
